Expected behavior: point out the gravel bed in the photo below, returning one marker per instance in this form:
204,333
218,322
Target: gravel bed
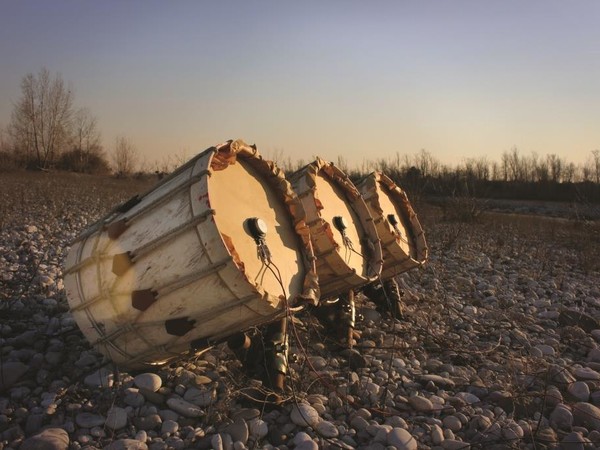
499,348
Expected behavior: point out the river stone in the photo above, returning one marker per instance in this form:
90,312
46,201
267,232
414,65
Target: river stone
147,423
102,378
381,435
585,373
86,359
453,444
126,444
304,415
133,397
258,428
437,380
553,397
546,435
560,374
49,439
246,414
116,418
452,423
184,408
595,398
301,437
89,420
10,373
355,359
437,435
420,403
141,436
468,398
327,429
545,350
307,445
594,355
200,397
34,423
238,431
587,415
561,417
512,431
154,397
148,381
169,427
580,390
569,317
573,441
317,362
359,423
217,442
168,414
401,439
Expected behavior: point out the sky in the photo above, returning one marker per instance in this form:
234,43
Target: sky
364,80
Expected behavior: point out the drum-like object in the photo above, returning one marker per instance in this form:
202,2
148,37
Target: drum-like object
402,237
342,231
215,248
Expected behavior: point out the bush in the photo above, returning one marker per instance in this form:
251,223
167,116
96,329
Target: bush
463,209
8,162
79,161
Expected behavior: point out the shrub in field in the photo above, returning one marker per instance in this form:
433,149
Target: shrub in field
463,209
83,162
8,162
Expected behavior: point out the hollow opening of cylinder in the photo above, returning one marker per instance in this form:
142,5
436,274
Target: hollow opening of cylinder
251,216
338,213
396,217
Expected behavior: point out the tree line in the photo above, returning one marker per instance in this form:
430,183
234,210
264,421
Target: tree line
47,131
515,176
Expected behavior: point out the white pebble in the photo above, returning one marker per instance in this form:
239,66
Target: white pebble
304,415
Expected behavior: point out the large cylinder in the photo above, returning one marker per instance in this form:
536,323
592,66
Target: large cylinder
217,247
402,237
344,237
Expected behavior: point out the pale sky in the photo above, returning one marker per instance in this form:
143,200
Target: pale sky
361,79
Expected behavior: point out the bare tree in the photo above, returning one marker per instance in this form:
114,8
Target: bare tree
427,164
3,140
482,168
41,119
496,171
516,169
569,172
596,165
555,164
124,157
86,138
542,171
7,160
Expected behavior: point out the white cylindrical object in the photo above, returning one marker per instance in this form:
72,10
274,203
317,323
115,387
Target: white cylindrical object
176,268
344,237
402,237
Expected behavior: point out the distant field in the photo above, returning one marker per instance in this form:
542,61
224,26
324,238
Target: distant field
62,195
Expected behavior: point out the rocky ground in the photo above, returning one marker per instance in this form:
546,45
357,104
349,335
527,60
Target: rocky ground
500,348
